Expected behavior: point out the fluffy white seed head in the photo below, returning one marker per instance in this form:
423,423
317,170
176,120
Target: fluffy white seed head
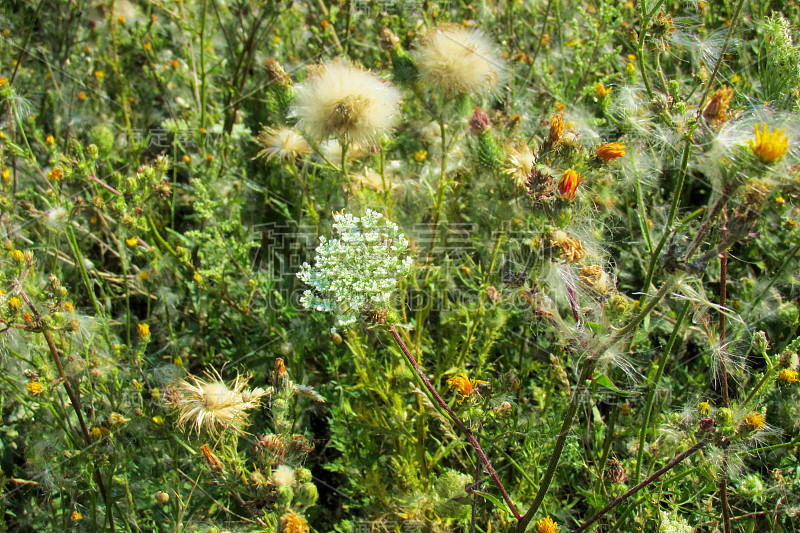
459,60
347,103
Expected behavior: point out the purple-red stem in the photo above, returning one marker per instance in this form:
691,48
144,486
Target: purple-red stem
467,433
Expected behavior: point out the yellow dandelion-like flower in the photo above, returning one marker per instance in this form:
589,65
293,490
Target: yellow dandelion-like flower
420,156
144,330
132,241
99,74
294,523
17,256
788,376
704,407
459,60
754,421
464,386
610,151
769,146
283,144
556,129
546,525
35,388
50,140
346,102
14,303
213,405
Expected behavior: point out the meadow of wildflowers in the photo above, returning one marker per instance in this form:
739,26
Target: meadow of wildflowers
400,265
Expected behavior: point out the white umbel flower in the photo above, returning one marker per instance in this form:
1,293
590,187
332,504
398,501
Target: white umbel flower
346,103
359,269
459,60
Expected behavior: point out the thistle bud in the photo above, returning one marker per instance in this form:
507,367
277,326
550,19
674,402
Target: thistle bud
306,495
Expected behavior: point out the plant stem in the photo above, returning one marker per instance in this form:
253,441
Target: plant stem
652,392
467,433
616,501
588,367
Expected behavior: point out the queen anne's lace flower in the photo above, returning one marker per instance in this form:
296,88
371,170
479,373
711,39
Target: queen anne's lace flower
358,270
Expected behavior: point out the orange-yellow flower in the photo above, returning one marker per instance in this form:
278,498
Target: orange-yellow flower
610,151
769,146
600,91
568,184
464,385
294,523
788,376
546,525
754,421
34,387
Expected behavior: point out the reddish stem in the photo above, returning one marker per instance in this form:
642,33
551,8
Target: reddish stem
470,437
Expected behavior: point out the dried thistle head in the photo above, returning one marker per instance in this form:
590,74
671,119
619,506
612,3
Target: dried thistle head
211,404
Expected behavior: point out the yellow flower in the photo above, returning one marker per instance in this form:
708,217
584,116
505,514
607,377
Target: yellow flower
133,241
14,303
3,80
6,174
56,174
788,376
754,420
17,256
568,184
213,461
144,331
600,91
610,151
81,96
99,74
35,388
294,523
464,385
158,420
556,129
630,69
704,408
769,146
143,275
546,525
420,156
77,516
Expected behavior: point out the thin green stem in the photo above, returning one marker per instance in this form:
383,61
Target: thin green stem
651,394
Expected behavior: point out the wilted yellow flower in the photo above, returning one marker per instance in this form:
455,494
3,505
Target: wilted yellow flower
788,376
769,146
546,525
56,174
519,163
557,125
754,420
35,388
76,516
610,151
213,405
572,250
294,523
213,461
716,109
568,184
81,96
464,385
